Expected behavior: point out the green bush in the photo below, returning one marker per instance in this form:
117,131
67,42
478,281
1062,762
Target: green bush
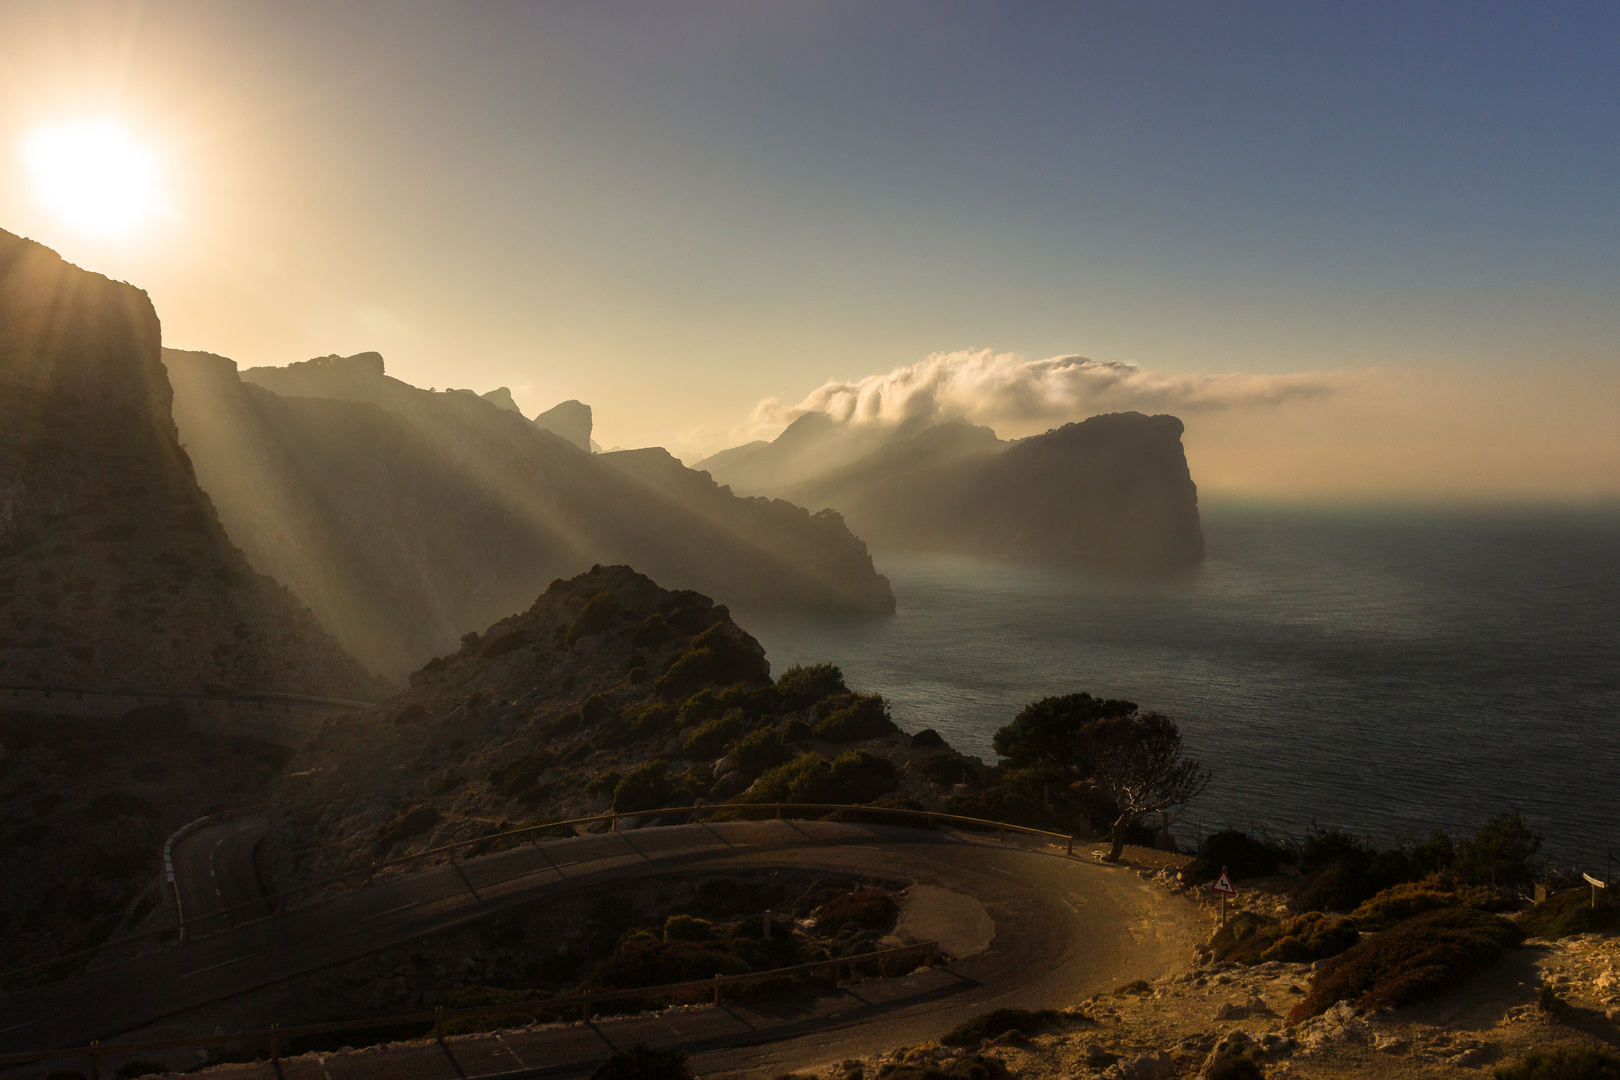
652,719
604,783
642,1063
646,787
712,739
855,718
698,708
687,928
1570,911
652,631
1245,936
870,909
472,997
797,730
518,775
855,777
719,655
1408,899
755,752
1311,937
998,1022
594,709
599,613
1413,961
1502,855
1577,1062
947,770
511,641
800,686
1242,855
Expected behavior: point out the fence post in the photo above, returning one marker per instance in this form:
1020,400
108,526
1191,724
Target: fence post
1071,845
275,1047
438,1023
717,989
1001,833
95,1060
613,823
585,1011
778,811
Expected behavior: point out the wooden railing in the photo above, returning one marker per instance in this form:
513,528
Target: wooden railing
924,818
275,1037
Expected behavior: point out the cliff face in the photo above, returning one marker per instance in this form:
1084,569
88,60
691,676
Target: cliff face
406,518
1113,491
114,570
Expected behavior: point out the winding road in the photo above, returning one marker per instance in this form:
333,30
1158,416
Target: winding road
1028,928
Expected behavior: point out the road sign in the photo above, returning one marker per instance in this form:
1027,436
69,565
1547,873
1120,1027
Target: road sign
1594,882
1223,885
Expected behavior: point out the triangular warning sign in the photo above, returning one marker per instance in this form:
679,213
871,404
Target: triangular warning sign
1223,884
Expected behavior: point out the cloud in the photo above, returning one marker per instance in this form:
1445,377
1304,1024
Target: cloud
1005,390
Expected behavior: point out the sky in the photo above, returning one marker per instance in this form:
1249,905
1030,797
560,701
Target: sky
1366,252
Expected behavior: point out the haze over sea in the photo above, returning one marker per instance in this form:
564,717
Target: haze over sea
1382,673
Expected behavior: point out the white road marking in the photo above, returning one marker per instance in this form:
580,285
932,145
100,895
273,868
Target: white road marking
211,967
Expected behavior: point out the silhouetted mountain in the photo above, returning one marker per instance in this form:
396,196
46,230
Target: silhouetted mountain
571,420
502,397
1112,491
114,570
406,518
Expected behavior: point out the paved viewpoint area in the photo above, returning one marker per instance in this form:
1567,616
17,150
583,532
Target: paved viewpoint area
1023,926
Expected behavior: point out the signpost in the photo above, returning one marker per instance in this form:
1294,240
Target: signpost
1596,885
1224,886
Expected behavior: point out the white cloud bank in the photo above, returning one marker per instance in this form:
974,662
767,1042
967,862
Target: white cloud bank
1002,390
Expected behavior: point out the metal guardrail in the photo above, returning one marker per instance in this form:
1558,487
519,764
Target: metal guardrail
583,1001
928,819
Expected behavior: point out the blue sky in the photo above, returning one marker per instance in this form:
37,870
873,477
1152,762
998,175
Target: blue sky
673,211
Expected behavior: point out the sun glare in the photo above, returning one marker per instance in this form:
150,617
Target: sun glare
94,177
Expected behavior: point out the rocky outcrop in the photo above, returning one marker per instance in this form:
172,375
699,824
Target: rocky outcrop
1110,492
571,420
405,518
114,570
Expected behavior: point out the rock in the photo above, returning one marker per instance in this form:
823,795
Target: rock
1339,1023
1155,1066
1389,1044
1231,1010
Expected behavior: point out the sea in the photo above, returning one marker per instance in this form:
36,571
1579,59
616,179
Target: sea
1381,673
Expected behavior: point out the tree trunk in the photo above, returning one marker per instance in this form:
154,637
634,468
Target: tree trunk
1118,850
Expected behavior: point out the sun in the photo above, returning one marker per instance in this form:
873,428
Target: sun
94,176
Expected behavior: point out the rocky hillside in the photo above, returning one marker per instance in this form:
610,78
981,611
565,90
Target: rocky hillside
608,692
114,569
406,517
1111,492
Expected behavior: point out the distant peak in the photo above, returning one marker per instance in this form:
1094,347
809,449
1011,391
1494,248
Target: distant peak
570,420
365,363
501,398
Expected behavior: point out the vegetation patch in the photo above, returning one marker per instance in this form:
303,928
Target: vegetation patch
412,823
855,777
710,740
802,686
1571,912
966,1067
1409,899
473,997
1411,962
600,612
643,1063
1238,853
855,718
870,909
1575,1062
993,1024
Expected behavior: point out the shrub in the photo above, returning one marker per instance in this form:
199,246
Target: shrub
511,641
1570,911
1501,856
652,631
856,718
800,687
711,740
599,613
998,1022
1242,855
853,778
1001,804
1410,962
796,730
947,770
413,823
594,709
720,654
1401,902
646,787
637,675
755,752
927,739
643,1063
1577,1062
604,782
1311,937
1234,1067
1342,873
698,708
1244,937
871,909
687,928
472,997
652,719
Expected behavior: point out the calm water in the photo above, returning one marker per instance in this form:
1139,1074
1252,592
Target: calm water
1380,674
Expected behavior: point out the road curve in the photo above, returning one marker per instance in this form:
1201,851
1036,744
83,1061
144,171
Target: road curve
1063,928
214,872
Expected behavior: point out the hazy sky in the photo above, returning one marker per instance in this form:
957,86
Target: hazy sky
674,211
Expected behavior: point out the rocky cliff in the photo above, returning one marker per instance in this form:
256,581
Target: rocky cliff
114,570
406,518
1110,492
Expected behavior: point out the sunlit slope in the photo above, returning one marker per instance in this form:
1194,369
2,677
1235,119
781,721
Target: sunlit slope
114,570
406,517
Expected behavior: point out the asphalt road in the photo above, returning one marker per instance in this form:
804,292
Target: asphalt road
214,871
1063,928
